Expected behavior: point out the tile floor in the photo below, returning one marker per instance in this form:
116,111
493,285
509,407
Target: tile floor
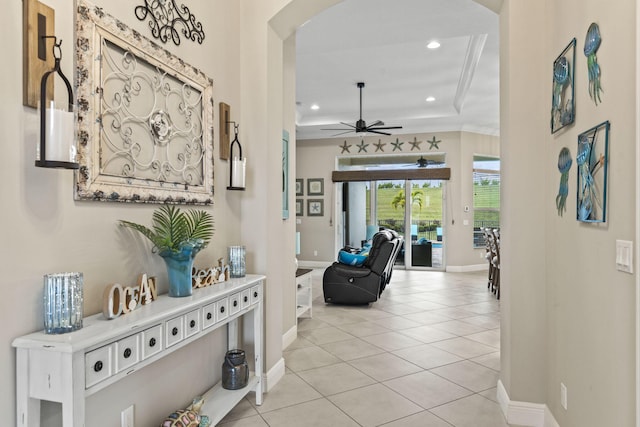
427,354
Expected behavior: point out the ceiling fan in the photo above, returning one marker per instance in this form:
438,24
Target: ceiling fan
424,163
361,126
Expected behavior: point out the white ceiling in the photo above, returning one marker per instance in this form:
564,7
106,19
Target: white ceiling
383,44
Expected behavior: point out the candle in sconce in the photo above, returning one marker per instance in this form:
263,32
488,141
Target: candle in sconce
59,136
238,176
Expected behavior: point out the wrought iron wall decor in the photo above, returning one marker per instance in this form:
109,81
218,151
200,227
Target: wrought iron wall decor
564,164
562,100
592,160
145,118
165,18
591,45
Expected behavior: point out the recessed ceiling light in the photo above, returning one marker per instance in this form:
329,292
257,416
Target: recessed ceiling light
433,45
430,99
315,107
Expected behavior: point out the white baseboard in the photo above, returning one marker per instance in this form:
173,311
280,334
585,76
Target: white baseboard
289,337
275,374
524,413
467,268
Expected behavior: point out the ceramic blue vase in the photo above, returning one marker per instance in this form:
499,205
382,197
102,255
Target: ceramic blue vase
179,267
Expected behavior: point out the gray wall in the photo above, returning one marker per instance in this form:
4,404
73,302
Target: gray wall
568,315
47,231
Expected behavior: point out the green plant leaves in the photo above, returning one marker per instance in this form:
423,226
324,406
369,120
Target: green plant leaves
172,228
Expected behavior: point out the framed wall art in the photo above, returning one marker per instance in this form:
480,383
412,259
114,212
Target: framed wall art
562,99
300,187
145,117
315,187
299,207
315,207
592,160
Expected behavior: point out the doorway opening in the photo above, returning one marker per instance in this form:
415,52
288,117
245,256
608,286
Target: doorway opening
412,208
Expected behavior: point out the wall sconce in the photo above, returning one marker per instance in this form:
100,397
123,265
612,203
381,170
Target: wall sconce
237,165
57,128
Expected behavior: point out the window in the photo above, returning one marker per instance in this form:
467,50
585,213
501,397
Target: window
486,196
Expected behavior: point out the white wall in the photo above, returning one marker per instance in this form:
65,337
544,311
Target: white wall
317,159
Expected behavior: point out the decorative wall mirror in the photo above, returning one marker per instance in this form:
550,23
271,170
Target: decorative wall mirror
145,117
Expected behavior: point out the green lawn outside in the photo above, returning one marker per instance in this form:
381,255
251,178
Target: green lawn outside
431,209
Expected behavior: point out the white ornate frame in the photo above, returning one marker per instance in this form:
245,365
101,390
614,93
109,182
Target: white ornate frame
93,26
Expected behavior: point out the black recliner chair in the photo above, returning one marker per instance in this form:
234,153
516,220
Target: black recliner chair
347,284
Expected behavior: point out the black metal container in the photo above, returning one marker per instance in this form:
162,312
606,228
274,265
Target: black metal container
235,370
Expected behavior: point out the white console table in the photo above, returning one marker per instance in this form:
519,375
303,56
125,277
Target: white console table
69,367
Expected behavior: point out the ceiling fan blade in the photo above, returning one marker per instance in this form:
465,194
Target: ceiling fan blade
386,127
348,130
376,123
347,124
375,131
342,133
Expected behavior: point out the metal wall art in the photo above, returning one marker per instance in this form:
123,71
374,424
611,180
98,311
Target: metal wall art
562,104
564,164
591,45
145,117
592,160
165,18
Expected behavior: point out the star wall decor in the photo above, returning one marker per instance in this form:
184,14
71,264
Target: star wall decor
433,143
380,145
362,147
415,144
397,145
345,147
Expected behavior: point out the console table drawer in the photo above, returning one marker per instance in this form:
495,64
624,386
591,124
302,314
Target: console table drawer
128,352
246,298
175,331
98,365
256,294
151,341
222,309
209,315
234,304
192,323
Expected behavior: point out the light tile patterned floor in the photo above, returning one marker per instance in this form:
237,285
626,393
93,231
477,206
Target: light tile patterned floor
427,354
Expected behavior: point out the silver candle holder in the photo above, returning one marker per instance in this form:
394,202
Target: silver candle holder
63,302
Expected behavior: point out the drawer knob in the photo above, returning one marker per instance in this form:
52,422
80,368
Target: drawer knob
235,303
192,324
174,331
98,366
209,316
246,298
152,342
222,309
255,294
127,353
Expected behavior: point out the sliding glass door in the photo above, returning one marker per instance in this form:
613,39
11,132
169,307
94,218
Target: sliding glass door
416,215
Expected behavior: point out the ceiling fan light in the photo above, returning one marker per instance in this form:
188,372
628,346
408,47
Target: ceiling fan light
434,44
315,107
430,99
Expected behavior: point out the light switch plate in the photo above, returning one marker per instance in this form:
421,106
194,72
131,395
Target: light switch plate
624,256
